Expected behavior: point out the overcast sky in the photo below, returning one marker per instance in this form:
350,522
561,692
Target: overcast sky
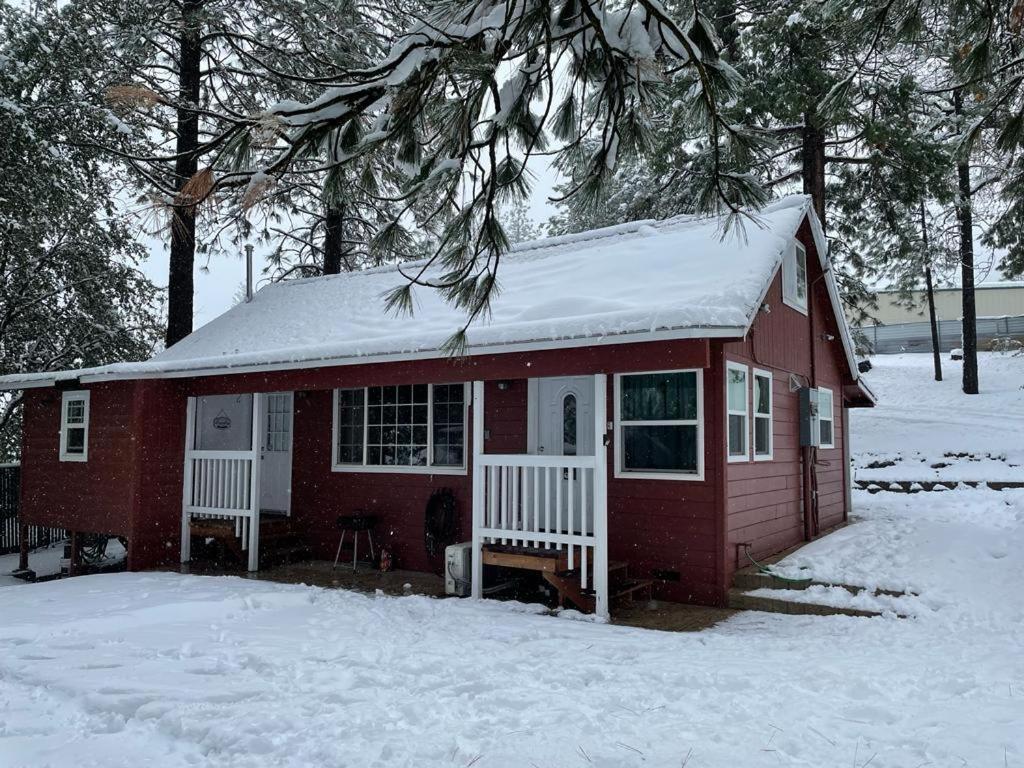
217,285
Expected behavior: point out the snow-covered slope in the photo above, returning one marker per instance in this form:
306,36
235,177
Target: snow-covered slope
927,430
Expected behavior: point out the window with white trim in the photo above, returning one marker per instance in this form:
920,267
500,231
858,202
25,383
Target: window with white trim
659,430
737,411
794,277
826,418
763,437
74,426
408,427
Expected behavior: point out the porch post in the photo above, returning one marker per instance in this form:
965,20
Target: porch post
254,480
477,585
186,482
601,494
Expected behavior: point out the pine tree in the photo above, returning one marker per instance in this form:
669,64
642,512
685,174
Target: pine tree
157,54
518,224
70,291
196,67
980,45
465,97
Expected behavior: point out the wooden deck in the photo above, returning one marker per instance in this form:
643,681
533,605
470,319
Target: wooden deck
278,543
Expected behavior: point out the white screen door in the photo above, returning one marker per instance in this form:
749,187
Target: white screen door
276,453
565,427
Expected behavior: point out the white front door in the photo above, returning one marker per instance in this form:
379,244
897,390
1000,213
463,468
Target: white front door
276,453
565,427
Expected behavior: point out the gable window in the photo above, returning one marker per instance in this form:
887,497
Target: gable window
74,426
409,427
738,424
826,418
763,437
794,277
659,431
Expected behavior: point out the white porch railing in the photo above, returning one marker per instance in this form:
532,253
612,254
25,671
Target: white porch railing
557,502
222,485
541,502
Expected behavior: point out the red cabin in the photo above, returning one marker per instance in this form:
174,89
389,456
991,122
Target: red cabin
666,395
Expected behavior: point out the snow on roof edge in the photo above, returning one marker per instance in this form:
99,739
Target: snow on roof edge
223,363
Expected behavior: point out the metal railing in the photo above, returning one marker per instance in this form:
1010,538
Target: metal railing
10,524
917,337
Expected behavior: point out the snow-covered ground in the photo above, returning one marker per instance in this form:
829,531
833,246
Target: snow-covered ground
922,429
46,561
168,670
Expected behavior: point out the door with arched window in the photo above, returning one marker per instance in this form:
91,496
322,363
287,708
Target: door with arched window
564,413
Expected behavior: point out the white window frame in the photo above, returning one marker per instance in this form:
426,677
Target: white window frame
69,397
745,413
770,416
790,278
830,417
619,455
429,469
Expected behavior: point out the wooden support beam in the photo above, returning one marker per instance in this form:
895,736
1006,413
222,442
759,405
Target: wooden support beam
600,501
551,561
477,581
22,546
257,456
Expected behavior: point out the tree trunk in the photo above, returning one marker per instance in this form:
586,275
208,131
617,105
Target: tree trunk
725,27
936,355
965,217
183,224
334,240
813,161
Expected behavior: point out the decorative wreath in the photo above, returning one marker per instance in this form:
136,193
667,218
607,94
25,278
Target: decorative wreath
441,522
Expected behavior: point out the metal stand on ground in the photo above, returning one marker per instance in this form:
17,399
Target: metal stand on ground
355,523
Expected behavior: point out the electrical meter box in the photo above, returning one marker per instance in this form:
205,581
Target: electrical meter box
810,429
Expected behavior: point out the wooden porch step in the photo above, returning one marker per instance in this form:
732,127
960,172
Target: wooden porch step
614,567
740,600
285,555
624,587
630,587
278,545
542,560
553,564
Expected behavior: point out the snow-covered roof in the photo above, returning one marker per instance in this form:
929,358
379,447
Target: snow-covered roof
684,277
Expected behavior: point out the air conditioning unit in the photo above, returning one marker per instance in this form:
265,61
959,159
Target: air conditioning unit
458,569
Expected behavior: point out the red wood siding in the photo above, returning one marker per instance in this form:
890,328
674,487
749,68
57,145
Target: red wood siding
764,497
673,525
685,532
600,358
668,526
156,521
94,495
398,499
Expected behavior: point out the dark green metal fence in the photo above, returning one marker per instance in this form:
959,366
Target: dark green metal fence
10,538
